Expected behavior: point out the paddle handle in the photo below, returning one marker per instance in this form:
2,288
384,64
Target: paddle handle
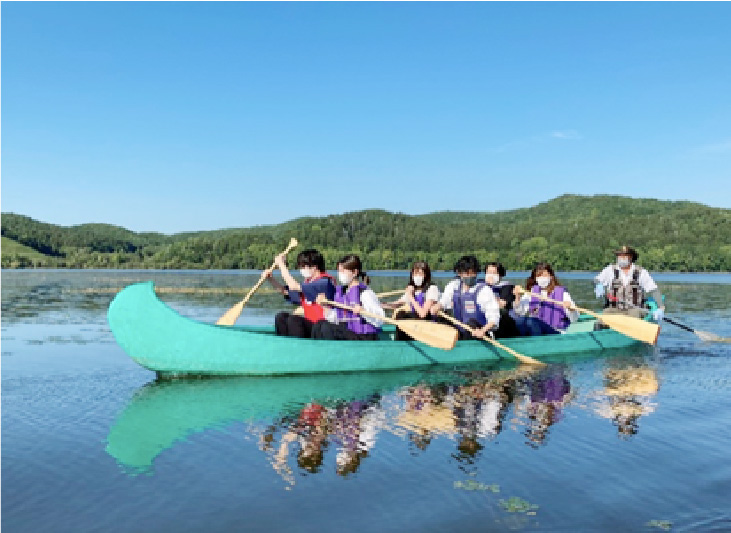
362,312
519,356
230,317
292,244
547,299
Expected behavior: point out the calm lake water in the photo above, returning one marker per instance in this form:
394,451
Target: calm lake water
92,442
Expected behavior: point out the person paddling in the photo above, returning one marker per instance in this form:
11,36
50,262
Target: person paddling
340,324
473,303
420,296
494,274
625,287
551,318
316,281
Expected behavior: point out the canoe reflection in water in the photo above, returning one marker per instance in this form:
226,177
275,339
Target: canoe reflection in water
307,424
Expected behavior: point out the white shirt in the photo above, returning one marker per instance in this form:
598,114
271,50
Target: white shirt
485,300
522,306
432,293
369,302
606,277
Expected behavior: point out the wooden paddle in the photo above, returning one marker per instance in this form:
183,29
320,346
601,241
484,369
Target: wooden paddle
627,325
230,317
436,335
300,311
520,357
703,335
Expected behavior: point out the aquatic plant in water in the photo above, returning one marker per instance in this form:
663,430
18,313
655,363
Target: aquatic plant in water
471,484
518,505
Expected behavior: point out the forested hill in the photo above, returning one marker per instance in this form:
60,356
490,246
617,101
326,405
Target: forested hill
571,232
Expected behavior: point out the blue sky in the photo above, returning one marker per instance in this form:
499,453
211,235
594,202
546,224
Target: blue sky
191,116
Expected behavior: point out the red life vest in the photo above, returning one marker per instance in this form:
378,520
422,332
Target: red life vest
313,311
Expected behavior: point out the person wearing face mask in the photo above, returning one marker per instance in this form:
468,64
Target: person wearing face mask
494,274
473,303
339,324
625,286
552,318
315,280
420,295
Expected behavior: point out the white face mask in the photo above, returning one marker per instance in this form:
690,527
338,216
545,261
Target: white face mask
623,262
306,273
543,281
418,280
345,278
492,279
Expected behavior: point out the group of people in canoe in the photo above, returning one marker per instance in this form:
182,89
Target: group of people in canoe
347,308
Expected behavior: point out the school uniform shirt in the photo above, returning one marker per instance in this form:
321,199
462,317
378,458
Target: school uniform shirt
522,307
369,302
646,282
485,300
432,293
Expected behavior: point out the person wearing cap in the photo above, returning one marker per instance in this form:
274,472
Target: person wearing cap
625,286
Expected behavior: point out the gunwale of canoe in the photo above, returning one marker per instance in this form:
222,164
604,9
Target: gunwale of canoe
162,340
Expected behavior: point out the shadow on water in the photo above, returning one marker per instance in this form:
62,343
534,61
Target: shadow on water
300,421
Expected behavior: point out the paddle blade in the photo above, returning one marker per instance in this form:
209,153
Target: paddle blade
436,335
632,327
710,337
230,317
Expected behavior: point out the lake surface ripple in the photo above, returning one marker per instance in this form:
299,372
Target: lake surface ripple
93,442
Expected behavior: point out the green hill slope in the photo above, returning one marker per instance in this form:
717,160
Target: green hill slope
572,232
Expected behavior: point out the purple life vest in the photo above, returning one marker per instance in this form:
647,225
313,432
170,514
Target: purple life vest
356,323
465,305
420,298
552,314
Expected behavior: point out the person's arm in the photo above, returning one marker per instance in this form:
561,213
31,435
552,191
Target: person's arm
445,302
396,303
490,307
293,284
521,306
369,302
268,274
571,312
431,297
650,287
603,280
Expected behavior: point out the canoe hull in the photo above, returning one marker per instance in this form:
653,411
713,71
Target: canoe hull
160,339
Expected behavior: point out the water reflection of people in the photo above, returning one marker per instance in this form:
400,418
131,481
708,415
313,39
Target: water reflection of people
425,415
350,426
356,425
479,411
549,393
627,396
309,430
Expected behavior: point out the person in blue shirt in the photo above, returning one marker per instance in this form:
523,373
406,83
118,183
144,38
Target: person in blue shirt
315,280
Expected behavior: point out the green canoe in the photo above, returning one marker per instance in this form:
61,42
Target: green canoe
160,339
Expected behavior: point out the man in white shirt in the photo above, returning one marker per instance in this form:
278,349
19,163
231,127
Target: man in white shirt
473,303
625,286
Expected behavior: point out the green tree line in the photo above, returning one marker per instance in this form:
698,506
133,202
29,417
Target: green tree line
571,232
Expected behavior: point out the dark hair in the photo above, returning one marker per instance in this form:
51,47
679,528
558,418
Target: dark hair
532,278
467,263
311,258
499,266
352,262
422,265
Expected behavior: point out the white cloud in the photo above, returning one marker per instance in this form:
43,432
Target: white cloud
569,135
563,135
